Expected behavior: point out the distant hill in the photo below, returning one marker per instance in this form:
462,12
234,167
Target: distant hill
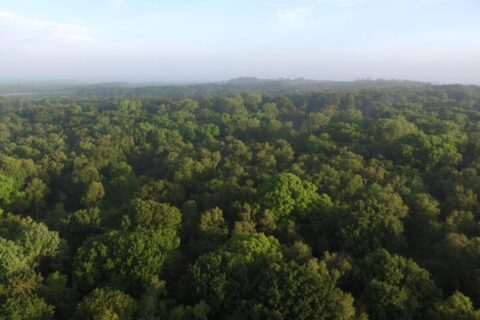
36,88
238,85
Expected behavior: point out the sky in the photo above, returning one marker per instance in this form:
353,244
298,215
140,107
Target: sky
211,40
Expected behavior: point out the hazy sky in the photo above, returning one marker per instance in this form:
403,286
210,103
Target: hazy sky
186,40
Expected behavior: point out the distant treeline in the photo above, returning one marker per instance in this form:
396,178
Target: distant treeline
239,85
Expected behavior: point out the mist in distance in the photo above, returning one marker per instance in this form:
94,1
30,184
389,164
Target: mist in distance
191,41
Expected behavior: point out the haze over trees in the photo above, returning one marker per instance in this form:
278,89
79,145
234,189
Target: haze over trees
339,204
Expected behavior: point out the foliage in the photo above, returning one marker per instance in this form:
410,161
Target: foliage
124,260
30,307
286,193
395,287
245,200
106,304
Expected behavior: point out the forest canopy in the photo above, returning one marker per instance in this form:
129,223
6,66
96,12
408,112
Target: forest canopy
332,204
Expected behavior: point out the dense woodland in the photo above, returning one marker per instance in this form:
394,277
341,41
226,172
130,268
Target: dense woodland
166,90
353,204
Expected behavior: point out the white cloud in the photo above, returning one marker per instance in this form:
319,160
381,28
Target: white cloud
345,3
430,2
309,17
116,3
296,16
17,29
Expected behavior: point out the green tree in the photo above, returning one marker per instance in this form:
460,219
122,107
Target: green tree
285,193
212,225
303,292
106,304
55,291
80,225
9,191
16,275
125,260
395,287
26,307
93,194
35,239
35,192
151,215
425,151
375,222
457,306
219,277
